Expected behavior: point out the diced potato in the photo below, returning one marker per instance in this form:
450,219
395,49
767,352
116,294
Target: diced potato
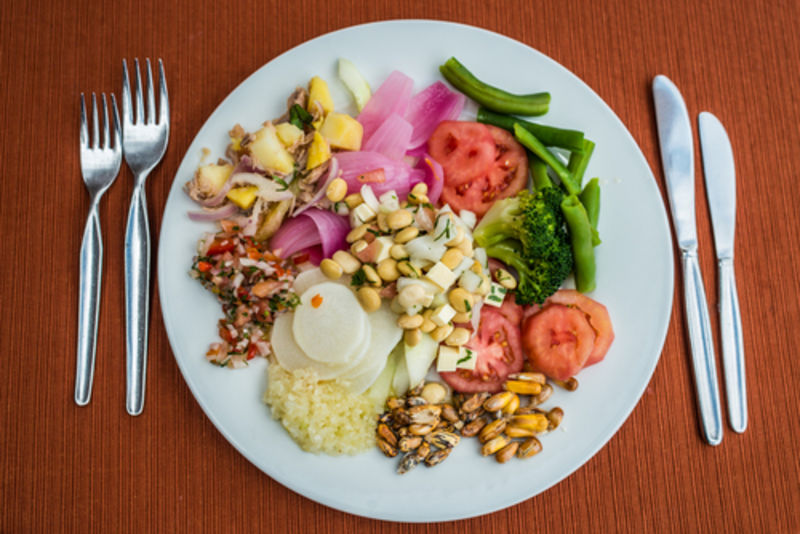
319,152
243,196
269,152
288,133
342,131
210,178
318,92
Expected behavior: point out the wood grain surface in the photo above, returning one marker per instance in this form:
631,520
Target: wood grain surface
96,469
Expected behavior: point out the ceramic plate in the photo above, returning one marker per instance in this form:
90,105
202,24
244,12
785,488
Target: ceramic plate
634,280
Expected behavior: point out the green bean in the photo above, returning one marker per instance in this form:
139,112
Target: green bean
579,160
530,142
590,198
492,97
538,170
548,135
580,234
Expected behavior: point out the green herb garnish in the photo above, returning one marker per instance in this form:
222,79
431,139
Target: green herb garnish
299,116
359,278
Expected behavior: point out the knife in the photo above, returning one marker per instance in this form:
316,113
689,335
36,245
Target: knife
720,176
677,157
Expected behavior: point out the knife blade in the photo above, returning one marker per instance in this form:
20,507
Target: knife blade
720,179
677,157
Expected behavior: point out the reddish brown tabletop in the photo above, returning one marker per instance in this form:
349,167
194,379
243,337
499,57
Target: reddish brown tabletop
66,468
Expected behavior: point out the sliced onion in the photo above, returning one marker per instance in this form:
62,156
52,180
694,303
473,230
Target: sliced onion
434,177
391,138
313,227
369,198
332,173
216,214
332,229
398,174
393,96
429,107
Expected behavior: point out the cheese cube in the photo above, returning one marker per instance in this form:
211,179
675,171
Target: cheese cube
496,295
361,214
443,315
467,359
440,275
386,243
448,358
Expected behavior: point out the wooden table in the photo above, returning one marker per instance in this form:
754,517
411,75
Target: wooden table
97,469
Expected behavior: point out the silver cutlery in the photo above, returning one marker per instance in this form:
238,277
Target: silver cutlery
144,141
720,179
100,162
677,156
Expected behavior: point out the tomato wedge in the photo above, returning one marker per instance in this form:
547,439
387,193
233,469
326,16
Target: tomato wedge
598,319
499,350
505,177
463,149
558,341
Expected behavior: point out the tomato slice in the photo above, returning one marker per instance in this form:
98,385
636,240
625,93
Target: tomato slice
499,349
463,149
506,177
598,319
558,341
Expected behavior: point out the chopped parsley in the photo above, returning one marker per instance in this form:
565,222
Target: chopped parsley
283,183
466,358
359,278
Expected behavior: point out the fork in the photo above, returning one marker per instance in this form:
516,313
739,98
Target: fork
100,162
144,140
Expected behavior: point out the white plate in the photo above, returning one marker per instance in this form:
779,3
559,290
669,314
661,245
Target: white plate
634,266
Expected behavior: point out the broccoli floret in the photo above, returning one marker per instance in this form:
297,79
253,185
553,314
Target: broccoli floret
527,232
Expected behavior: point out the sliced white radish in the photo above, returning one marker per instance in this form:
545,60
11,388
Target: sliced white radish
419,358
290,356
313,277
384,335
329,324
400,379
381,387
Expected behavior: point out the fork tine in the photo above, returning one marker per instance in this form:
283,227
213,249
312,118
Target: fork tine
139,99
95,125
151,94
106,134
117,135
163,97
127,106
84,126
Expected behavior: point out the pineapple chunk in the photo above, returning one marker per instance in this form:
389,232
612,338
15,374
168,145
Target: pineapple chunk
269,152
243,196
318,91
288,133
319,152
210,178
342,131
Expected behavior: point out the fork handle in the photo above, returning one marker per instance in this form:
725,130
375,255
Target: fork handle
137,285
91,270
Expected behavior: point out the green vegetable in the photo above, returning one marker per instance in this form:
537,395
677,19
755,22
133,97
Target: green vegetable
590,198
492,97
548,135
538,170
580,233
530,142
579,160
527,233
299,116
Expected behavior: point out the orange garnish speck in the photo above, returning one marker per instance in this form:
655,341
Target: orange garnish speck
316,301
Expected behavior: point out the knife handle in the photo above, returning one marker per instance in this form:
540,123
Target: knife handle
702,344
730,321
